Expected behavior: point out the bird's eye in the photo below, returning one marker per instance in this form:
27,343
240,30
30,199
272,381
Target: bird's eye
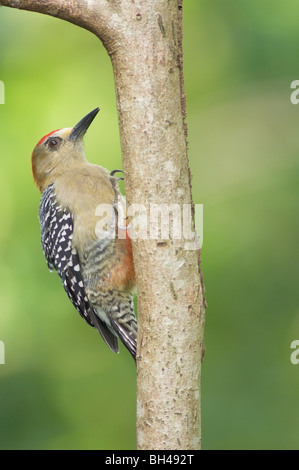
54,143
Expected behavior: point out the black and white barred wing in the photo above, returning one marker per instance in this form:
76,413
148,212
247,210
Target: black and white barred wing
56,237
56,231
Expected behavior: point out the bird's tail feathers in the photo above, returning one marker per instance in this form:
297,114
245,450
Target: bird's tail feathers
109,338
127,336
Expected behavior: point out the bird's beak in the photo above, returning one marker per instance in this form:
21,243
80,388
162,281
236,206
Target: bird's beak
82,126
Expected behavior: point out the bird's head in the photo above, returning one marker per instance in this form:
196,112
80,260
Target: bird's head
58,151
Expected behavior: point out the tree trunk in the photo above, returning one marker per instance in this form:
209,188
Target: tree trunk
144,41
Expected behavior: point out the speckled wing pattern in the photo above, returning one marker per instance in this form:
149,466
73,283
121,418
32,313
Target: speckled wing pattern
56,237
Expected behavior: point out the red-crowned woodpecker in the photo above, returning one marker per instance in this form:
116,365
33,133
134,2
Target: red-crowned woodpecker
96,270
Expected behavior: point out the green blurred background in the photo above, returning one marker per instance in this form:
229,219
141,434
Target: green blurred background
61,388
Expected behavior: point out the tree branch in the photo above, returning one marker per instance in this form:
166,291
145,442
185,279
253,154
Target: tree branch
97,16
151,106
144,41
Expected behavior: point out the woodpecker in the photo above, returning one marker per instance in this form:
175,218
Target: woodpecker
97,272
